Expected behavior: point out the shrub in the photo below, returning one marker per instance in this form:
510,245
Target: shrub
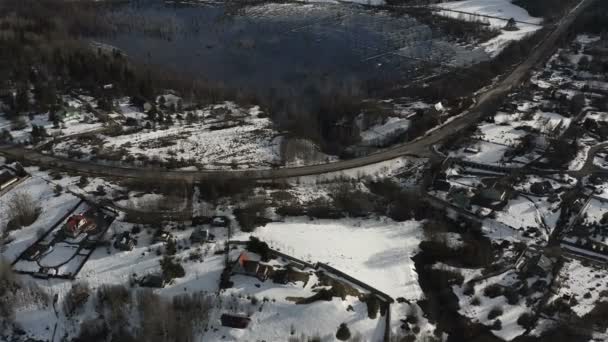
257,246
497,325
493,291
526,321
93,330
171,247
343,332
171,269
353,202
76,298
373,306
251,216
495,312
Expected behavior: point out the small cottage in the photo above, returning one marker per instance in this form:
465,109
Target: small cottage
7,179
235,321
153,280
249,264
199,236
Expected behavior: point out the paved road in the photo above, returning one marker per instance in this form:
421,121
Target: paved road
418,147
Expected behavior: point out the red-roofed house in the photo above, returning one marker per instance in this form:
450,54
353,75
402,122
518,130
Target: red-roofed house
77,224
248,264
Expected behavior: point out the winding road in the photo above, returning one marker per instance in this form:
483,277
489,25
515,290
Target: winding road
420,147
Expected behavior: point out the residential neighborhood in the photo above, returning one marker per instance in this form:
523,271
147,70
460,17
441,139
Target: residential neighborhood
303,171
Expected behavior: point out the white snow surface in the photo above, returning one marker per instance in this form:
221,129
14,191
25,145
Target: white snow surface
377,252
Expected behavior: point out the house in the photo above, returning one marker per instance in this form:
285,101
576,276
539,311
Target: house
249,264
66,114
161,236
124,242
493,194
235,321
220,221
199,236
541,188
7,179
460,198
78,224
153,280
534,262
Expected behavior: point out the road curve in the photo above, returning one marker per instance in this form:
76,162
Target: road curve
418,147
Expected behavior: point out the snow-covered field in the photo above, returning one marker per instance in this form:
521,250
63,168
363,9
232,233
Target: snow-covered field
502,11
221,136
374,251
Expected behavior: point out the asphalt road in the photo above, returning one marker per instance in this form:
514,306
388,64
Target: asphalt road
419,147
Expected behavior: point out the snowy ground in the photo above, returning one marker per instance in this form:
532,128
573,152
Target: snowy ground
83,123
375,251
220,136
584,283
503,9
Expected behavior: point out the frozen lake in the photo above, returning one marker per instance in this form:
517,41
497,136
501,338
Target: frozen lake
284,49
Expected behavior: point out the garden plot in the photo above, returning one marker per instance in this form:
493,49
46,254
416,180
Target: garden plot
376,252
507,134
497,299
530,212
595,210
483,152
583,285
472,10
58,254
112,266
51,207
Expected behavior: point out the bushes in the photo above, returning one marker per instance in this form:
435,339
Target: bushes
23,211
257,246
353,202
493,291
495,312
343,332
177,319
526,321
93,330
251,216
373,306
76,298
171,269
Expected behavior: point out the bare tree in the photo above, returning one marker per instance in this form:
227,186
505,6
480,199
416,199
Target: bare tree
7,302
